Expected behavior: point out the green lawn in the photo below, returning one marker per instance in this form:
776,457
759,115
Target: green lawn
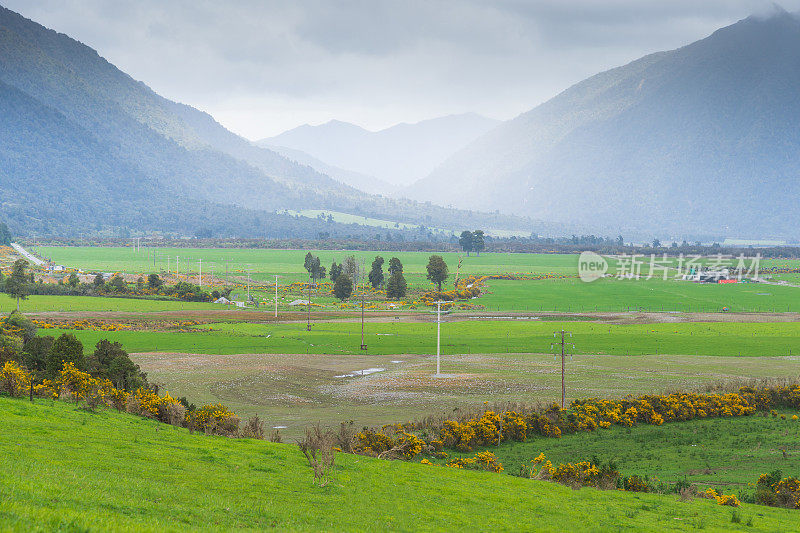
70,470
729,453
463,337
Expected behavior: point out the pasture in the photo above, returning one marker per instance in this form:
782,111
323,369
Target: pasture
72,470
463,337
729,453
555,294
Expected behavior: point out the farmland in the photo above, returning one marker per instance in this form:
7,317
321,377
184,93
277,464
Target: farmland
555,294
51,483
626,337
629,336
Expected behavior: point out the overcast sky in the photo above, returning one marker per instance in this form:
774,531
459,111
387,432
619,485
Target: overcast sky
261,67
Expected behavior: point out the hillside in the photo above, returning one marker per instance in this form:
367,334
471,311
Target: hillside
74,470
703,139
398,155
110,155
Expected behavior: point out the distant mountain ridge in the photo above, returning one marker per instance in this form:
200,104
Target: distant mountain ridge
398,155
699,139
84,147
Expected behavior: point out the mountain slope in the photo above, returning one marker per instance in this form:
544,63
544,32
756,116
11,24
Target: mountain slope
703,138
186,158
398,155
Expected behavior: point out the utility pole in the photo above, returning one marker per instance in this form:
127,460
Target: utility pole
308,306
363,346
276,297
563,345
438,337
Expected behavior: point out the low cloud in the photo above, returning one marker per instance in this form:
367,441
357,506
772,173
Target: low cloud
262,67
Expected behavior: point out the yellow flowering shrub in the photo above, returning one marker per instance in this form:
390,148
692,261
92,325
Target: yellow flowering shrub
481,461
774,490
14,381
721,499
370,442
215,420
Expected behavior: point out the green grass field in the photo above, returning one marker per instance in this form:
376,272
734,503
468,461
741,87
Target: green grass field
70,470
569,294
264,263
59,304
464,337
729,453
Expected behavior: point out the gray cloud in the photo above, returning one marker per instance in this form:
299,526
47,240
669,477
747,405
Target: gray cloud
263,66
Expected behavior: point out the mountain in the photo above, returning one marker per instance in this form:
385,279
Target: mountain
699,139
362,182
398,155
86,148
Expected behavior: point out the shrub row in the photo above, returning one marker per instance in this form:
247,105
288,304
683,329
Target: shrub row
72,384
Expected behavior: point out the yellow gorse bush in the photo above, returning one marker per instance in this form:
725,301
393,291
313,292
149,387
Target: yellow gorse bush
481,461
14,381
214,419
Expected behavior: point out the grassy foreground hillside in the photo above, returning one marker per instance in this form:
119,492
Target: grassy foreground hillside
73,470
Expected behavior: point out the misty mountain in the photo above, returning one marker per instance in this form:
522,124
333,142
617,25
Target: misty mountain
362,182
699,139
87,147
398,155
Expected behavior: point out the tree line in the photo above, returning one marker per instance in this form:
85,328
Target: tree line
349,273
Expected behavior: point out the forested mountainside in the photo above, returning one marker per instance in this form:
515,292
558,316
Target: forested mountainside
702,139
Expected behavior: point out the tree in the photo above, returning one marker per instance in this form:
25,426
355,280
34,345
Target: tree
350,268
66,349
117,284
376,274
139,283
465,241
437,270
478,243
19,321
396,286
620,241
343,287
17,282
395,266
35,354
154,282
309,262
314,267
656,243
98,281
335,271
111,361
73,280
